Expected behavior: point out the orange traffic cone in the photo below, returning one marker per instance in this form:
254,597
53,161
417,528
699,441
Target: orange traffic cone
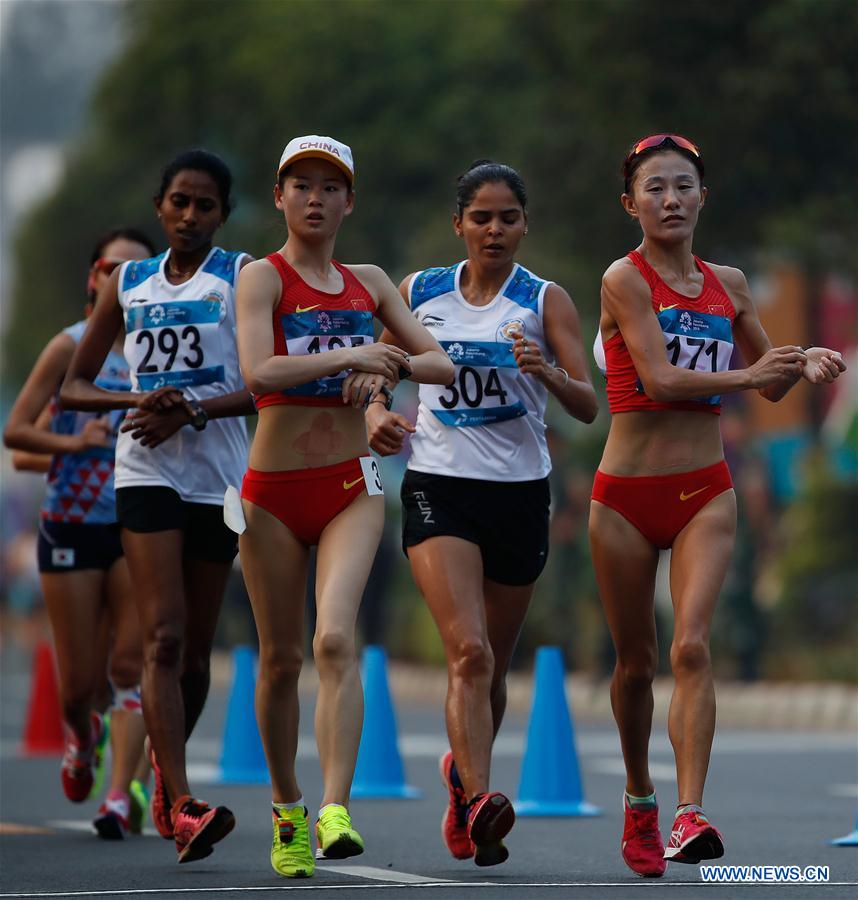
43,733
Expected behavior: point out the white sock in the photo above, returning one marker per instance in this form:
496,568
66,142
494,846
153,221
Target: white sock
323,808
285,807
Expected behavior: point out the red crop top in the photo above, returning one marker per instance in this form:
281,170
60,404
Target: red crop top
307,320
698,334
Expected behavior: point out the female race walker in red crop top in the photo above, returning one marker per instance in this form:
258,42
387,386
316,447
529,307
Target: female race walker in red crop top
305,323
666,334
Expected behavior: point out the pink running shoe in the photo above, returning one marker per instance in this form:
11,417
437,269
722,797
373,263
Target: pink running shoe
160,801
454,825
693,839
77,773
197,826
111,823
642,849
490,818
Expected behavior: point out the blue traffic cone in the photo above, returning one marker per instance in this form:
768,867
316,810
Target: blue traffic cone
848,840
379,773
242,759
550,776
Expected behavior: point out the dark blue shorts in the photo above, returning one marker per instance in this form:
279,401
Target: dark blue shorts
74,546
508,521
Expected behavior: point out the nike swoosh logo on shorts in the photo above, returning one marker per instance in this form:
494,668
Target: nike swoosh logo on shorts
348,485
306,308
684,496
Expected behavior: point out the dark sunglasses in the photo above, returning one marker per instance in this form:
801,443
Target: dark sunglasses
656,140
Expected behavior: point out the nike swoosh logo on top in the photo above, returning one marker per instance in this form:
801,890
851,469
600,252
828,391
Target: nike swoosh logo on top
684,496
307,308
662,307
348,485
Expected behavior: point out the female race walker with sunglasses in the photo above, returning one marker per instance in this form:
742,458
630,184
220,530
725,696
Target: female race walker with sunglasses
182,443
475,495
668,325
83,572
305,322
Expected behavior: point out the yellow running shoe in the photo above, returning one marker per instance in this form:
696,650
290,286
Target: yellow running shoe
99,754
335,835
291,855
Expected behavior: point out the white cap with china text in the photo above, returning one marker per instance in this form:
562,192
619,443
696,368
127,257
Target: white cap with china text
314,145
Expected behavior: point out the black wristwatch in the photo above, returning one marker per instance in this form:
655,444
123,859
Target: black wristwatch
383,391
199,417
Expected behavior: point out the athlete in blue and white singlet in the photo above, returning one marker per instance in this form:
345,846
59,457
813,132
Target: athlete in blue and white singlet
79,486
184,335
83,572
489,423
181,445
475,495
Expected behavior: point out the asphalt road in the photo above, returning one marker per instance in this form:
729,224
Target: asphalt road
778,798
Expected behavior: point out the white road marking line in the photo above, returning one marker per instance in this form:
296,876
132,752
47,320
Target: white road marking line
661,771
86,825
640,885
382,874
843,790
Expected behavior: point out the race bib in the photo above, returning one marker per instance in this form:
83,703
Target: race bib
371,475
320,331
484,389
700,342
175,343
233,513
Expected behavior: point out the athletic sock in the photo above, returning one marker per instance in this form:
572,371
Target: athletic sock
285,807
690,808
642,803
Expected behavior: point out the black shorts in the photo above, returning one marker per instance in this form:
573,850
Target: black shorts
74,546
147,509
507,520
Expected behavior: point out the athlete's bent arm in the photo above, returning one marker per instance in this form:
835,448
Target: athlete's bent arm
78,390
259,288
429,363
626,299
753,342
568,380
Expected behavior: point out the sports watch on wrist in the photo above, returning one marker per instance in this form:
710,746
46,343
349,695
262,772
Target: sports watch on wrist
383,392
199,417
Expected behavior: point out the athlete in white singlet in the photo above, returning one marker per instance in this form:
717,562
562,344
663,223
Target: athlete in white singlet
181,445
476,496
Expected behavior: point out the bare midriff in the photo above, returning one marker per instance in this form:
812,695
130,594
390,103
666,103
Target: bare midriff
661,442
306,437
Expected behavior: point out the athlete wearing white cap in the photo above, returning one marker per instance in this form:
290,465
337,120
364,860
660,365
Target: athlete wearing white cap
305,322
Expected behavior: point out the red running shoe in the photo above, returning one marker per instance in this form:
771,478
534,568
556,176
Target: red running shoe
490,818
693,838
642,848
454,825
76,773
197,826
160,801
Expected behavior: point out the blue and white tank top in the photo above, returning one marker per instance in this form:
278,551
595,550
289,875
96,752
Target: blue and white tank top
490,422
184,335
80,485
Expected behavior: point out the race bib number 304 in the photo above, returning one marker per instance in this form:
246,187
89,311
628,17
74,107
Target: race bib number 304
484,389
175,343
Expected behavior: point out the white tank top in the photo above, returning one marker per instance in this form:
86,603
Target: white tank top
184,335
490,422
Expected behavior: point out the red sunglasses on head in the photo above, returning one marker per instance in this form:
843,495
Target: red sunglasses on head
656,140
105,265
